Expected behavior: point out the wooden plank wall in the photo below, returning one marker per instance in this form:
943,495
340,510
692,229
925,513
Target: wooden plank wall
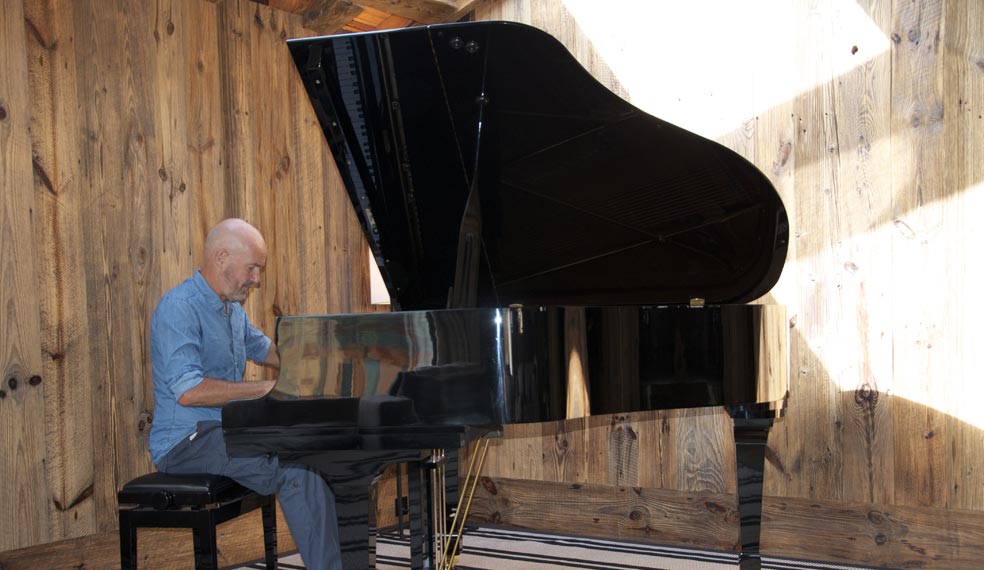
880,162
22,403
128,128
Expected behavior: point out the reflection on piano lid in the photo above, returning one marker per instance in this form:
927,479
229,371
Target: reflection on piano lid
572,195
545,241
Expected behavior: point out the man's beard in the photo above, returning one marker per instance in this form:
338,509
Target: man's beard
240,294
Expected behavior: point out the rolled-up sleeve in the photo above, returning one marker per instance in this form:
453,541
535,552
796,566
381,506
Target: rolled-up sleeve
257,343
176,339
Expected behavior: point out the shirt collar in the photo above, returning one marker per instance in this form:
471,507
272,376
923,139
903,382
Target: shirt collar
208,294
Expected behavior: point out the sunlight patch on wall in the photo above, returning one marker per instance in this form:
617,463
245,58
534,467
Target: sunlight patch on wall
889,311
708,66
938,320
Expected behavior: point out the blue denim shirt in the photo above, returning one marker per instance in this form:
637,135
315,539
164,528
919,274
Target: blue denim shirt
194,335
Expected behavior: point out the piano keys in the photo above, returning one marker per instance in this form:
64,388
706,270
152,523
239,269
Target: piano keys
551,252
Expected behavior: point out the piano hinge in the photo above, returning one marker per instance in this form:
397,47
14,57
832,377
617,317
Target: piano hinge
696,302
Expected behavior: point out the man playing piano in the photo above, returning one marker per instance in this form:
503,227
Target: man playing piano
200,339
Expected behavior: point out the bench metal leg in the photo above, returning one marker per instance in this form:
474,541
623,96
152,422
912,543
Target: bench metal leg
206,557
128,542
269,510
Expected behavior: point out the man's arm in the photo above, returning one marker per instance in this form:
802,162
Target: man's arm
273,357
214,392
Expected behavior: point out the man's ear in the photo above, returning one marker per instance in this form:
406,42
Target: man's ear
221,256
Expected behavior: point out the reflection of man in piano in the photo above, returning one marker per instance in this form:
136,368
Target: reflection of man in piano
200,339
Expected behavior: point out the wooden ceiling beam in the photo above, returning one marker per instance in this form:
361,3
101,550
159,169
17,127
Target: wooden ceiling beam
422,11
329,16
462,7
320,16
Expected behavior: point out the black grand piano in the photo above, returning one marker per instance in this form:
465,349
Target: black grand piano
551,252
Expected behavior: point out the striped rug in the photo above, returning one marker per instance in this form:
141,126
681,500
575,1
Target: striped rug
497,548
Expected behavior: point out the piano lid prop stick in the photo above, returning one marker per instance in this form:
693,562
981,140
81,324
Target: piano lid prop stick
463,516
438,506
443,499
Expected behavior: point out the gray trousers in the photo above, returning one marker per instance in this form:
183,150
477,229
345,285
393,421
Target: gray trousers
306,499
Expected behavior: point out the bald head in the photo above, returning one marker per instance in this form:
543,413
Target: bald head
235,252
231,233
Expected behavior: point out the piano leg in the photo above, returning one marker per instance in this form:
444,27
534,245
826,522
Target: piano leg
424,528
417,485
352,507
350,474
751,436
453,493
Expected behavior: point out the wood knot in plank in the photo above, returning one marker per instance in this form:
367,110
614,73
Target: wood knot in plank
38,37
864,149
139,255
284,166
775,461
12,382
85,494
144,421
917,549
785,151
866,396
904,229
876,517
489,485
3,112
34,380
42,175
715,507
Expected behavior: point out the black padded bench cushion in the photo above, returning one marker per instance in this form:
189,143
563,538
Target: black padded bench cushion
164,490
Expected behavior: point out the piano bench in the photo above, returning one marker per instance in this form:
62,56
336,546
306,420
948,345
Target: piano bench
197,501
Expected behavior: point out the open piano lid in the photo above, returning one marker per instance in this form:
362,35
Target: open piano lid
581,197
